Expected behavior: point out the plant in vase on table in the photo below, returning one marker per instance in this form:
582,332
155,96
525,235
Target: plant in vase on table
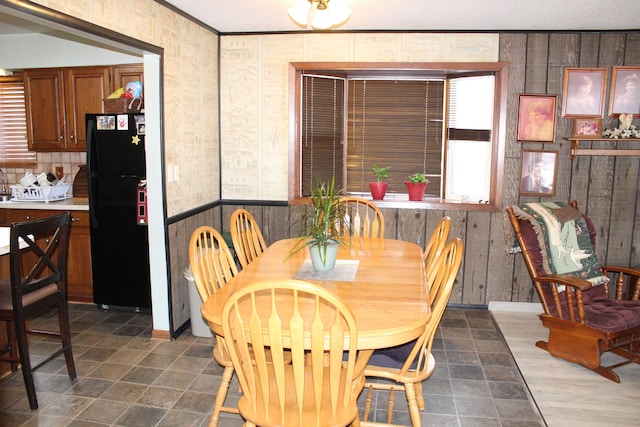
322,226
379,187
416,184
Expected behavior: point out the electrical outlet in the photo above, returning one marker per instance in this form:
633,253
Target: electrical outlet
59,172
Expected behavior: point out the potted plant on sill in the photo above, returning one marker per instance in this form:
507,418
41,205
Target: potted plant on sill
322,225
416,184
379,187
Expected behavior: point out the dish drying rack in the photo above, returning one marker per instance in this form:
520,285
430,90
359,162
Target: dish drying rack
40,194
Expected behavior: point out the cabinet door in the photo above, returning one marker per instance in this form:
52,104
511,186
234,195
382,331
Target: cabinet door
123,74
85,88
44,99
79,278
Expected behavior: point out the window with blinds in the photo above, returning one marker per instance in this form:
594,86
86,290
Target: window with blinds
13,124
440,122
396,123
322,131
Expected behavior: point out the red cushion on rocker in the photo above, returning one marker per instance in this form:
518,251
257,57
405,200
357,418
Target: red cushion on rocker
612,315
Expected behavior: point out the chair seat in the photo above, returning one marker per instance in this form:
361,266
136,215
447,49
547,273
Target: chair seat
393,357
612,315
272,416
28,299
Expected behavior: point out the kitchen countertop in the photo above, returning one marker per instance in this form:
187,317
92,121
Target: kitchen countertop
72,204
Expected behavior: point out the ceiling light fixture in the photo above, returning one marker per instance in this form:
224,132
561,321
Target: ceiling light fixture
321,14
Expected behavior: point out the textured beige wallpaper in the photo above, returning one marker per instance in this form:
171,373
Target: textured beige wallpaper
190,89
254,92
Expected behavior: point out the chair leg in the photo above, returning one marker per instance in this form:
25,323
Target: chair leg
367,404
419,396
227,374
65,336
390,404
414,412
27,373
13,345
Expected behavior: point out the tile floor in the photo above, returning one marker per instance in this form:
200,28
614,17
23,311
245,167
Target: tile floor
125,378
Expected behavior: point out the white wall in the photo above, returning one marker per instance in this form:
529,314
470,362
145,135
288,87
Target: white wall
39,50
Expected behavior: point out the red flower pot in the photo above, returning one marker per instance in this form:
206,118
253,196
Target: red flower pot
416,191
378,190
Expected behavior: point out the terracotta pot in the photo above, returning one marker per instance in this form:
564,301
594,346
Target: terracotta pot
378,190
416,191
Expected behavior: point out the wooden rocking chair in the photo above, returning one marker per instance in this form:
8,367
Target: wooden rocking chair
589,311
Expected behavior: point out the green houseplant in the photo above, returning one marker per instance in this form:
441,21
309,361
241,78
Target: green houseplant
379,187
321,225
416,184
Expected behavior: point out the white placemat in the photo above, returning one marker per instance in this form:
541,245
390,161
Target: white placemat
344,271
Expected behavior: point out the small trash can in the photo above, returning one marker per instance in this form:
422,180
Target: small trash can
199,326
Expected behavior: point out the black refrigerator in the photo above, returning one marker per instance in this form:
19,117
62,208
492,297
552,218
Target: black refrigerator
119,240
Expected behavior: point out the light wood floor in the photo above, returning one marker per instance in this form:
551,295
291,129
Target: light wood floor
568,394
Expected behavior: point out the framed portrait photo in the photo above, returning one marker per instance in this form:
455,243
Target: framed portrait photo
625,91
583,92
536,118
538,173
587,128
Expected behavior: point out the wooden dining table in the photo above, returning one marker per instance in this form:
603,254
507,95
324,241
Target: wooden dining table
382,281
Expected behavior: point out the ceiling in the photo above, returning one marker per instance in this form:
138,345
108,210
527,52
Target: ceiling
230,16
240,16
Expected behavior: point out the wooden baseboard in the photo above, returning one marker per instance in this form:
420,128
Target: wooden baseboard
160,334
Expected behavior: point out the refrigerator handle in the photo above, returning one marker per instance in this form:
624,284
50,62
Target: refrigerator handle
91,130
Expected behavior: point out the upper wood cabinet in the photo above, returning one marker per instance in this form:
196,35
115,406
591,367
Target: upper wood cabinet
123,74
57,100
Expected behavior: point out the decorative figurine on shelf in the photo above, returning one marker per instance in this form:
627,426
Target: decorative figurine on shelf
625,121
624,130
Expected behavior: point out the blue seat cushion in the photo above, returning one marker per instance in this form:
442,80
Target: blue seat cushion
393,357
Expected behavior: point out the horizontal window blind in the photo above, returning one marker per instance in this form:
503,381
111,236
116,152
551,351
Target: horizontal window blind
397,123
13,124
322,131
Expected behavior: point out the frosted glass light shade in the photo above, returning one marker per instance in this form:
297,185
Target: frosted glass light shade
321,14
300,12
339,12
322,20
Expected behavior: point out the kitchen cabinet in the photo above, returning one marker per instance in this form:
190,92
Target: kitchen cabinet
79,281
57,100
123,74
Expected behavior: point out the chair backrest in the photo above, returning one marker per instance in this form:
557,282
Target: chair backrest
440,281
211,261
436,243
247,238
362,218
316,326
533,242
38,252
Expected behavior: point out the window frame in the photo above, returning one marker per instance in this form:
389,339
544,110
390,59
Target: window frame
400,69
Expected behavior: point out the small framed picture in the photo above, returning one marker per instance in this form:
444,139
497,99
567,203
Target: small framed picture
536,118
625,91
587,128
583,92
140,128
538,174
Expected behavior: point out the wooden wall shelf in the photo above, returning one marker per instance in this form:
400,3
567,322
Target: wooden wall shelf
577,151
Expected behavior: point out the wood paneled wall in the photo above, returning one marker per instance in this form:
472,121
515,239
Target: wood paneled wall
607,188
